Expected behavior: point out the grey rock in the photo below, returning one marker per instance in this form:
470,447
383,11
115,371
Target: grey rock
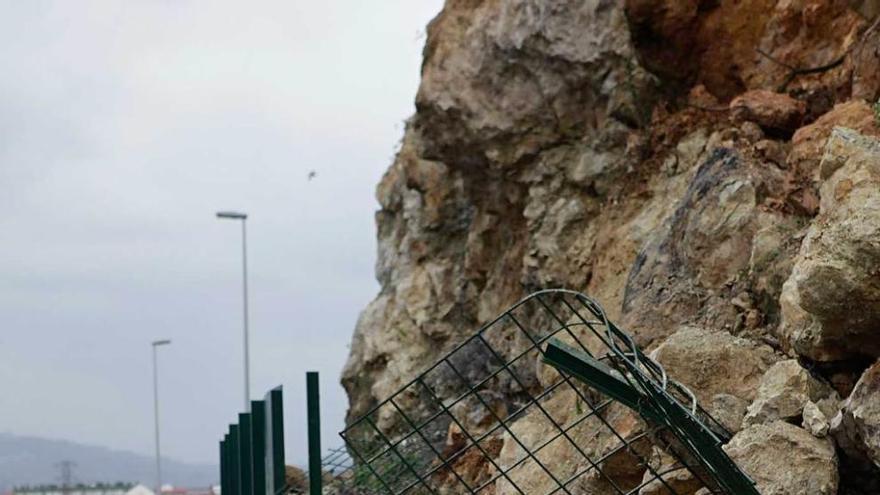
857,427
815,421
785,460
831,302
785,390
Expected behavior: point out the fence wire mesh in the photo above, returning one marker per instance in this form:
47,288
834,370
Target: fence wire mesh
549,398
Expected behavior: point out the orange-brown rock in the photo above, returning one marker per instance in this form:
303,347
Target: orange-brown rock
720,44
770,110
808,142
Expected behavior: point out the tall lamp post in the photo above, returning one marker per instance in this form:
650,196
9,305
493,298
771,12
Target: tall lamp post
156,344
234,215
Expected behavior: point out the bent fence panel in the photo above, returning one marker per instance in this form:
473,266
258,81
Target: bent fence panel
549,398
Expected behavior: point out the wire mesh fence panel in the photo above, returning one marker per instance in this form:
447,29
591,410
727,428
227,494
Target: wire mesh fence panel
549,398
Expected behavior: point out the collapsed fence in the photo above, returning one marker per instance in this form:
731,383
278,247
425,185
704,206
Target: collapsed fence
549,398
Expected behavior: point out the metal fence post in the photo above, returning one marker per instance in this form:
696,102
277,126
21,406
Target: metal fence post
314,424
235,460
258,445
274,454
223,485
247,454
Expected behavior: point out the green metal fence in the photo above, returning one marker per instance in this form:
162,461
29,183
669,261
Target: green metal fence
252,452
549,398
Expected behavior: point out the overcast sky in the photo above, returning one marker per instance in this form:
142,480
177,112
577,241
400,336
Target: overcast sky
124,126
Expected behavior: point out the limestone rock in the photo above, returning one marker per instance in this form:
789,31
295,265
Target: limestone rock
715,362
687,273
538,158
858,427
866,63
562,458
488,94
808,143
770,110
674,476
728,410
774,248
785,460
784,392
831,302
815,421
524,115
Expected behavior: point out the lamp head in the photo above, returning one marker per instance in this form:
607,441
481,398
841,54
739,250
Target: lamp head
157,343
234,215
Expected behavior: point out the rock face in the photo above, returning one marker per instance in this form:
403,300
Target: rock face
684,163
831,301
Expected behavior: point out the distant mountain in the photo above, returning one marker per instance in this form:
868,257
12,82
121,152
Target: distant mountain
31,460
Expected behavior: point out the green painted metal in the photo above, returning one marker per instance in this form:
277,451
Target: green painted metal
252,452
598,375
442,432
258,446
235,458
655,406
313,408
223,487
275,467
246,454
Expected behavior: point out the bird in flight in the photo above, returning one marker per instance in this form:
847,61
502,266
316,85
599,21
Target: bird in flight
312,174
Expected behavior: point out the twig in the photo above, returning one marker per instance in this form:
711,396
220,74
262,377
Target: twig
793,72
707,109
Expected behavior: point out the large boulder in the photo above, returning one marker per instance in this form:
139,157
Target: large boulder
831,302
714,362
785,460
504,80
784,392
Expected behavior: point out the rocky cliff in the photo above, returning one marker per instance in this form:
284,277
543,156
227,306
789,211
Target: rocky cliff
705,169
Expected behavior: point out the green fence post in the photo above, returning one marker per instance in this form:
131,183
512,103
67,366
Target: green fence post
314,422
275,467
235,460
247,454
227,477
223,489
258,445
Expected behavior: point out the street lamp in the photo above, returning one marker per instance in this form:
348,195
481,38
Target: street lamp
156,344
234,215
